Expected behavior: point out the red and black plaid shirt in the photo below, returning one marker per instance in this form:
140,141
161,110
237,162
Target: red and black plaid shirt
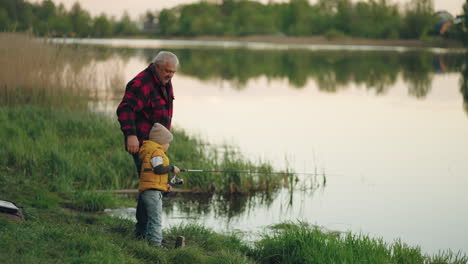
145,102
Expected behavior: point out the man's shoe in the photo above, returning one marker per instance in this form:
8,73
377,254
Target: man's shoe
139,236
180,242
155,244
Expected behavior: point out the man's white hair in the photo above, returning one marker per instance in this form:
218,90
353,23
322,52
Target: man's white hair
166,56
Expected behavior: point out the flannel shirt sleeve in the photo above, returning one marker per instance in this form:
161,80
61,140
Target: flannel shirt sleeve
132,102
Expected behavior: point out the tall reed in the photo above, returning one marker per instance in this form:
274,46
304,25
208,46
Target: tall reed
34,71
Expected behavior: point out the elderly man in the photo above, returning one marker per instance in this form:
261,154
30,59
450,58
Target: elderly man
147,100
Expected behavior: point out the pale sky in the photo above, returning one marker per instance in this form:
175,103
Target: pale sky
138,7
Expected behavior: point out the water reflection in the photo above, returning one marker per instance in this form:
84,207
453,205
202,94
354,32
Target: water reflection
232,206
95,72
228,206
464,83
192,206
332,70
224,208
218,206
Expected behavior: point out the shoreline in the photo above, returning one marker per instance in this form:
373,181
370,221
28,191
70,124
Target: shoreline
309,40
321,40
270,42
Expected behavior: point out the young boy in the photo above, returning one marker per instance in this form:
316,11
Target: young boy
153,182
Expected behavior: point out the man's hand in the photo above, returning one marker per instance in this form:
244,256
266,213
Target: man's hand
176,170
132,144
169,188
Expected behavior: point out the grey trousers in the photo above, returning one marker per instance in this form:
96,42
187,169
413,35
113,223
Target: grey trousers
149,216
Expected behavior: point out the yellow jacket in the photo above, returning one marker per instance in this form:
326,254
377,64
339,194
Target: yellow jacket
149,179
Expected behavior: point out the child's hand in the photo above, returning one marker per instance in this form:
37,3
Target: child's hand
169,188
176,170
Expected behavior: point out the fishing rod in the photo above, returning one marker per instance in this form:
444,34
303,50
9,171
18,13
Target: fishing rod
175,180
251,172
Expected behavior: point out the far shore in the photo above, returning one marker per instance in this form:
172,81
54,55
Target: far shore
309,40
321,40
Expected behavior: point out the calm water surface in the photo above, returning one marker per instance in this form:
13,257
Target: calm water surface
389,127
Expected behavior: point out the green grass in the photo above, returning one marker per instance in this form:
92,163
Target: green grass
92,202
64,236
202,237
58,236
302,244
66,150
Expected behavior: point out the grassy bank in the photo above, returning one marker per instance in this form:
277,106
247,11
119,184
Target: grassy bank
63,236
59,236
80,151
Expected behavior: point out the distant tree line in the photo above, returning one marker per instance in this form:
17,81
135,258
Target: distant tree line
379,19
48,19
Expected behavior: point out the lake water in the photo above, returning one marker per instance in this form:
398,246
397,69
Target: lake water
388,126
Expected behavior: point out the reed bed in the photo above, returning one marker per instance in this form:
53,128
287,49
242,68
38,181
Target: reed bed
36,72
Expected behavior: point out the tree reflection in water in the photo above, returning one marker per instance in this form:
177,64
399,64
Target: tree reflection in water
464,83
231,206
332,70
225,206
